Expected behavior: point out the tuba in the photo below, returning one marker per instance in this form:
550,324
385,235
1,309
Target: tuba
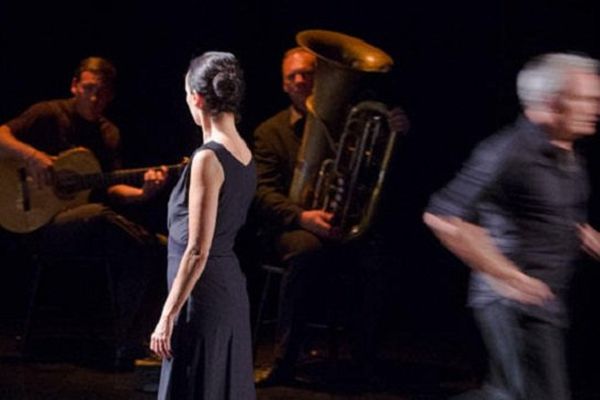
346,144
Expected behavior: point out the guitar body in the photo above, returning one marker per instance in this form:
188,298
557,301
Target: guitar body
25,207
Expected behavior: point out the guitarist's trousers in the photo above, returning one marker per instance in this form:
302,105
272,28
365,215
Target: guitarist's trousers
135,256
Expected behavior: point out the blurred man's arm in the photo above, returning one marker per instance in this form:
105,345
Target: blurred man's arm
473,245
590,240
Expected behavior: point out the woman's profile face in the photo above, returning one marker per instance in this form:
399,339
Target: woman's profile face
191,98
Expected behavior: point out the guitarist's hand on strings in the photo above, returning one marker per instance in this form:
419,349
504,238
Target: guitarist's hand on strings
40,166
154,181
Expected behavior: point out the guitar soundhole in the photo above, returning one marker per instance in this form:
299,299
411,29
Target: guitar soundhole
66,184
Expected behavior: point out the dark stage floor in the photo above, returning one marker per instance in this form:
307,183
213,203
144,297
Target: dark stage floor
74,366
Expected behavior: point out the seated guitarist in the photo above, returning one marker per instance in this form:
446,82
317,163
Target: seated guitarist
50,127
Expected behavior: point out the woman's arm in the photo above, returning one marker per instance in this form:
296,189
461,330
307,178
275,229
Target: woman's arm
207,177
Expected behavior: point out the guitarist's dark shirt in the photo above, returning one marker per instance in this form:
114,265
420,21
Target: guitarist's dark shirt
55,126
97,229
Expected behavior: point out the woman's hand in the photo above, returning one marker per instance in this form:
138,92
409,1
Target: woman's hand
160,341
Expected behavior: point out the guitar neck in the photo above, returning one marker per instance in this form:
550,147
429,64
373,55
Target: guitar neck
76,182
26,206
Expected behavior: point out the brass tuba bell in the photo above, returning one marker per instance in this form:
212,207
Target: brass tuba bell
346,144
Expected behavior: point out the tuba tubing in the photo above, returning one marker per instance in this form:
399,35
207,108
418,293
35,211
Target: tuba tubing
329,138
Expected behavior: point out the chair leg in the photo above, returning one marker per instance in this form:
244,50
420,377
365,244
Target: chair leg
333,324
112,299
333,342
260,311
33,304
24,338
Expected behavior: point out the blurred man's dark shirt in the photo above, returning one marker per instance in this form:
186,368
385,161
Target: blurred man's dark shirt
529,195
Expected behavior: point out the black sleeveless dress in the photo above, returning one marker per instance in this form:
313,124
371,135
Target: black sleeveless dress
212,355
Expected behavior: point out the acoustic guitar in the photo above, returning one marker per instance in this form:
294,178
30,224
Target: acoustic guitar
25,206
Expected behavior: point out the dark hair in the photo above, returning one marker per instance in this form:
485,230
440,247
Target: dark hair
219,78
97,65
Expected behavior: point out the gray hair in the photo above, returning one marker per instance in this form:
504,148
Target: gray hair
542,78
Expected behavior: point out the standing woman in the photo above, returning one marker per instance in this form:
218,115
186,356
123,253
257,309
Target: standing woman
206,346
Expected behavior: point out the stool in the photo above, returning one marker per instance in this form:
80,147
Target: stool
272,272
41,263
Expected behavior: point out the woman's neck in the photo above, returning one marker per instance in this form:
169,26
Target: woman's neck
219,127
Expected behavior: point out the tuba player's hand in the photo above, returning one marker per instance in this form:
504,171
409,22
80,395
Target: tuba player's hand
398,120
317,222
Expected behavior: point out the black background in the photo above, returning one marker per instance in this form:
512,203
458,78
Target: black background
454,73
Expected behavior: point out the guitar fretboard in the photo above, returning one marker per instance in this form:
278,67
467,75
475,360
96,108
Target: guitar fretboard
70,181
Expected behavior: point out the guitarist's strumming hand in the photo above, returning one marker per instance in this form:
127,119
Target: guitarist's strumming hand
154,181
40,167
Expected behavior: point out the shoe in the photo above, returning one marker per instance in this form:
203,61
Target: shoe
280,375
